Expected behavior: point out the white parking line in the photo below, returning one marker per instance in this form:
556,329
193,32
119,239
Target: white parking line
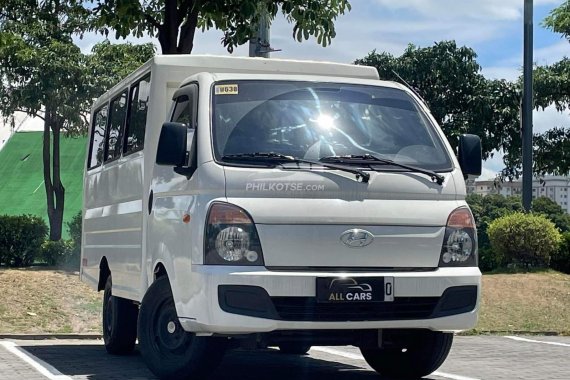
332,351
39,365
452,376
537,341
352,356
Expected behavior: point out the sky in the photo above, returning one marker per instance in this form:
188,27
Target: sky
493,28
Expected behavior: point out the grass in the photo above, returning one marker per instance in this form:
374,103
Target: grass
43,300
536,301
21,172
39,300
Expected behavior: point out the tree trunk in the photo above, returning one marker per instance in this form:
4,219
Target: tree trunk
187,32
55,192
166,45
168,31
175,35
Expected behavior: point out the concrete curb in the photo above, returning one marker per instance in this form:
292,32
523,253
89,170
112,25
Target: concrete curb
51,336
509,332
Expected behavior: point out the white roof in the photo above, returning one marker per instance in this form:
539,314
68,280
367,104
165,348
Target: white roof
227,64
180,66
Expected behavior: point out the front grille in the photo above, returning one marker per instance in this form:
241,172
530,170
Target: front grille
307,309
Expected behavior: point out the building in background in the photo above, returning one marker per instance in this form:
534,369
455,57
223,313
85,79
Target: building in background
554,187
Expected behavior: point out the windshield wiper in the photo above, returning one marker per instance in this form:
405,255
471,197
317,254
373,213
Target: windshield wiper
280,158
369,159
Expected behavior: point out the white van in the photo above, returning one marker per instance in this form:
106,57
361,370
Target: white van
246,202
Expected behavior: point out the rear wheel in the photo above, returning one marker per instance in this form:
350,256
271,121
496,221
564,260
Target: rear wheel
168,350
294,348
119,322
415,356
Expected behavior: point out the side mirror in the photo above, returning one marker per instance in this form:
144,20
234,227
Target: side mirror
469,155
172,145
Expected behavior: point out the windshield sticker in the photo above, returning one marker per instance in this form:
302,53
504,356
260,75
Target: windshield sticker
282,186
226,89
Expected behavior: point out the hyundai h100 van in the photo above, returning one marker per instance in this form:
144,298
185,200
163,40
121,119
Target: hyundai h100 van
237,202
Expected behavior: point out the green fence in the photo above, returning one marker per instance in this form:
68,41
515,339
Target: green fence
21,175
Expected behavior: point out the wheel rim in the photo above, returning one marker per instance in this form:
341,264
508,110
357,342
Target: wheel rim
169,336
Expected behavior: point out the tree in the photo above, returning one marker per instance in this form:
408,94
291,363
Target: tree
551,151
40,71
174,22
552,210
559,19
552,83
44,74
460,99
552,86
109,63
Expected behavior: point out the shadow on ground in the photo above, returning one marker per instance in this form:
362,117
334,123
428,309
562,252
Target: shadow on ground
93,363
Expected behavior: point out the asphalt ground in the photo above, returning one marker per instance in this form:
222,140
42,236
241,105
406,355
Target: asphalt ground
472,357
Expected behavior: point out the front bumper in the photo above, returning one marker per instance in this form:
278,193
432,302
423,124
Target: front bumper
285,300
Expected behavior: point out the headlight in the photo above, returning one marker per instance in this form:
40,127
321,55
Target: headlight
232,243
460,242
231,237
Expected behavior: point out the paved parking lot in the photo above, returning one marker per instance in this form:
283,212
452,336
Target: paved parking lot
478,357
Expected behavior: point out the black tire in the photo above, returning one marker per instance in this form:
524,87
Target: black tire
119,322
413,358
176,354
294,348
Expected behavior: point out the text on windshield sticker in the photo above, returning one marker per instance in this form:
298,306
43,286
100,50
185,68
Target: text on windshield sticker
226,89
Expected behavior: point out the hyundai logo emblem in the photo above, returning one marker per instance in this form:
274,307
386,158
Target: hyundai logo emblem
356,238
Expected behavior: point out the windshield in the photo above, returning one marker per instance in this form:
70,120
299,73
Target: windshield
312,121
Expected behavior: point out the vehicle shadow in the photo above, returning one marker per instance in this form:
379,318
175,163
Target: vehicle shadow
92,362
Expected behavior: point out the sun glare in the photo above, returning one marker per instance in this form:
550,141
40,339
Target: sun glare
325,121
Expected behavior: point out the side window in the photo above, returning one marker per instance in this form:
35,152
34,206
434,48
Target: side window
116,122
183,111
98,137
140,94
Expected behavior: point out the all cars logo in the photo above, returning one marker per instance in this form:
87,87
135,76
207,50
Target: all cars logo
348,289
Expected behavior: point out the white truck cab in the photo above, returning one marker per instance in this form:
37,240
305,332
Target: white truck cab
250,202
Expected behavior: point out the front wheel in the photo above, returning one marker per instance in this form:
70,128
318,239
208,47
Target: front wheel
168,350
413,357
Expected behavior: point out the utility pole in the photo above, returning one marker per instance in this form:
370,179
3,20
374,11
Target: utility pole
259,45
527,106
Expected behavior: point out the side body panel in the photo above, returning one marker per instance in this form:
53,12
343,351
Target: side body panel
113,213
113,222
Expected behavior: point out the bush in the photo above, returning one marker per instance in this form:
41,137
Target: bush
486,209
524,239
74,229
56,252
489,259
561,258
21,238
